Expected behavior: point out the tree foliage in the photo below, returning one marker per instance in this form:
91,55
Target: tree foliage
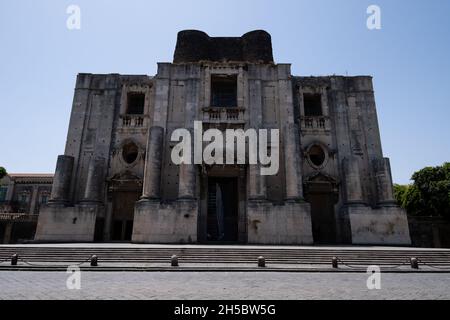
429,195
2,172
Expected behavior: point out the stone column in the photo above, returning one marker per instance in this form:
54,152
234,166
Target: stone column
291,161
61,181
187,174
186,186
7,233
10,191
108,220
257,182
34,200
352,180
290,136
153,163
95,179
384,182
187,177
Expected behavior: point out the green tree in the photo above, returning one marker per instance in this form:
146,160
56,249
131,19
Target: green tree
429,195
413,202
399,193
2,172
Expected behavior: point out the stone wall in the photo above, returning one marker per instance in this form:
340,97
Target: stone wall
287,224
67,224
267,97
155,222
196,46
381,226
429,232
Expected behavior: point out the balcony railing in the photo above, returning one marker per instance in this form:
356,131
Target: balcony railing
223,115
318,123
132,120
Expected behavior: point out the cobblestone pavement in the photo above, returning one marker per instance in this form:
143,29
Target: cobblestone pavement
221,285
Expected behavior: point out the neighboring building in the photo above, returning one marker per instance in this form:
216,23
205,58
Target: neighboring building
21,197
116,180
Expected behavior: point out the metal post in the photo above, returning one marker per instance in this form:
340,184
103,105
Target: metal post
174,261
261,262
335,262
414,263
14,259
94,261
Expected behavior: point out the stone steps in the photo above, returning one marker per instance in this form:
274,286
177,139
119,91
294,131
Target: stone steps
225,255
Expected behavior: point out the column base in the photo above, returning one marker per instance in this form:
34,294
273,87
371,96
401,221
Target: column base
67,224
269,223
386,225
156,222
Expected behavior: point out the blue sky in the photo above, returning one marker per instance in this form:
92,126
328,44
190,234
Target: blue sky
409,59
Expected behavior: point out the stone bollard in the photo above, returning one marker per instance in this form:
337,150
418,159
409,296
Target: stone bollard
335,263
94,261
261,261
14,259
414,263
174,261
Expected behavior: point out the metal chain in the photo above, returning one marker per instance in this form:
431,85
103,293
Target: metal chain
47,265
364,266
432,266
340,260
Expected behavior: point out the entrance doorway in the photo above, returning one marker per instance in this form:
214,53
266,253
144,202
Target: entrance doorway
123,214
322,195
222,214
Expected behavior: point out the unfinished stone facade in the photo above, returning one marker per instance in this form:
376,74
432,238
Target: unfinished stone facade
116,180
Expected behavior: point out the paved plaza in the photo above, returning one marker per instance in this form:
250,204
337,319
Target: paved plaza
222,285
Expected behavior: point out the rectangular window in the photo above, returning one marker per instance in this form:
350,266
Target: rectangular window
44,199
223,91
312,104
23,198
3,191
135,103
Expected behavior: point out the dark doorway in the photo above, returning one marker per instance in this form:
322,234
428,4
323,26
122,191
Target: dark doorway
322,196
99,228
222,218
123,214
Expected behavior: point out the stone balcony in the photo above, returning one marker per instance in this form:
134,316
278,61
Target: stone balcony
132,121
317,124
223,115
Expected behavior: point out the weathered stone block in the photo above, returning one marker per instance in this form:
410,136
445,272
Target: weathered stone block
382,226
279,224
175,222
67,224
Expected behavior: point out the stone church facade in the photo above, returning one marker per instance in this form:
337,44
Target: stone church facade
116,180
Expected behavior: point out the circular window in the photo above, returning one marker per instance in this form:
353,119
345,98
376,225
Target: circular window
130,152
316,155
